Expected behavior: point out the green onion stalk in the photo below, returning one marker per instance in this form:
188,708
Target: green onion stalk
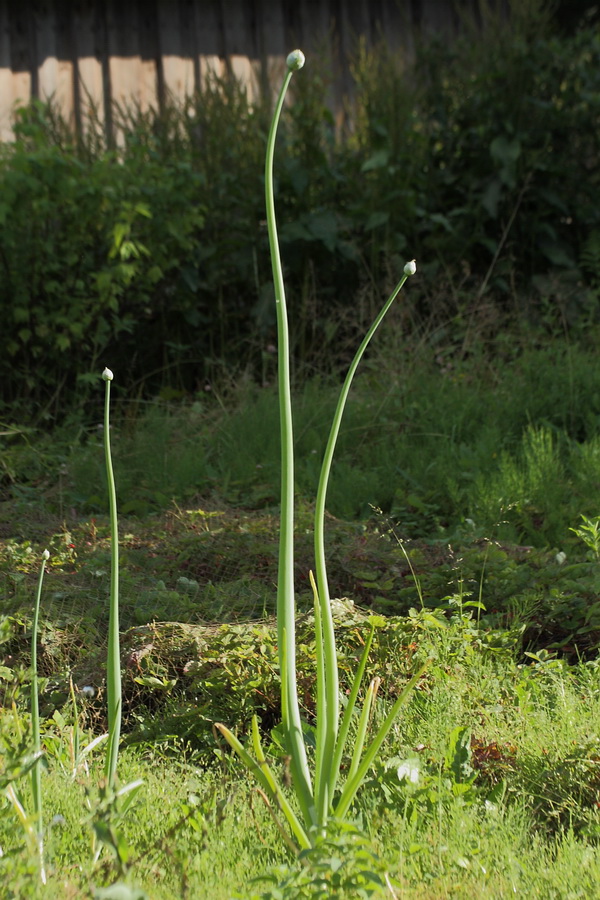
286,607
36,772
113,663
316,798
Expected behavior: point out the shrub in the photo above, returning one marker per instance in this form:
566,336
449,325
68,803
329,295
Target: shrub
480,158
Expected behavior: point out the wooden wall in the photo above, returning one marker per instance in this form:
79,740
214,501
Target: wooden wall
93,53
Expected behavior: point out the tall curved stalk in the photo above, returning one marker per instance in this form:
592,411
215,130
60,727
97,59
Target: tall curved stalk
113,662
329,712
36,772
286,605
316,802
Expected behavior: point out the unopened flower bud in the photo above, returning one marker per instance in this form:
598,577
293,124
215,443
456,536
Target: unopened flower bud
295,60
107,375
410,268
46,554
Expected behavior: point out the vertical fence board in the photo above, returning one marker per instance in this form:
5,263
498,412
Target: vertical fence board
177,68
88,74
6,85
22,56
55,69
239,34
209,55
123,56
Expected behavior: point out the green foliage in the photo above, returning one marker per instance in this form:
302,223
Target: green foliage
470,159
589,532
92,253
510,115
425,791
341,865
424,820
561,773
434,447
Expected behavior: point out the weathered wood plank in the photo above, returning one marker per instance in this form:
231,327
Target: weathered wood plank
6,86
54,69
177,68
89,79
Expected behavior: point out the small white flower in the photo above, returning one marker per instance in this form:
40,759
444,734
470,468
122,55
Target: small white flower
410,268
409,771
295,60
46,554
107,375
88,691
560,557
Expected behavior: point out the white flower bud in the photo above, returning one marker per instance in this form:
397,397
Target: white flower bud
295,60
410,268
107,375
46,554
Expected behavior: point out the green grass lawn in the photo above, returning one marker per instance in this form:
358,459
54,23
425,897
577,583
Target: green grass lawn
452,508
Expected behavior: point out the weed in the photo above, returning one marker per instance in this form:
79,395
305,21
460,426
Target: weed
589,532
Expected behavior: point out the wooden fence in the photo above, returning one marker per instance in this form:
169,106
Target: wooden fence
88,54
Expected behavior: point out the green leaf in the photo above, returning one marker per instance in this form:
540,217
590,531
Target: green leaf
378,160
458,755
556,252
62,341
491,197
376,219
505,151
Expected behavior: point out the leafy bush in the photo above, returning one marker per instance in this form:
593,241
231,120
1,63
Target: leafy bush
494,172
480,158
92,259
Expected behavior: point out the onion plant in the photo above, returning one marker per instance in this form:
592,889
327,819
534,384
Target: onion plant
113,663
36,772
33,826
315,787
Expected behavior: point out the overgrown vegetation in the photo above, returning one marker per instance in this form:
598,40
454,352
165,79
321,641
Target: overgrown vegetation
501,444
497,744
480,158
463,521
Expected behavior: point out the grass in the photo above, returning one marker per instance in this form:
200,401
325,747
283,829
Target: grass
208,575
430,445
193,832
